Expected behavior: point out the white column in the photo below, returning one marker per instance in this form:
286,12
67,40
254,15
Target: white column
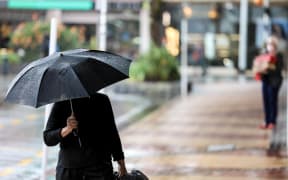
57,13
266,22
52,49
286,114
242,51
144,19
102,27
184,57
266,3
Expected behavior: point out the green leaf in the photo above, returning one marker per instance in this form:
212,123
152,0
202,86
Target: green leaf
155,65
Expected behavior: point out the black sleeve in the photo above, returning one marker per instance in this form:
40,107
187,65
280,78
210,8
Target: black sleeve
279,65
115,141
52,132
279,62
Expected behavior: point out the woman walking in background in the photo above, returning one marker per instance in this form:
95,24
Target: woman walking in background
271,77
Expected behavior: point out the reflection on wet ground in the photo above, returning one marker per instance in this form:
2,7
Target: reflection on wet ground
212,134
21,138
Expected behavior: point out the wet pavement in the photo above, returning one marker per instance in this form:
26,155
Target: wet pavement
212,134
21,138
21,134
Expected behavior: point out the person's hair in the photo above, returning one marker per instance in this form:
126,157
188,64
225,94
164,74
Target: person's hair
272,40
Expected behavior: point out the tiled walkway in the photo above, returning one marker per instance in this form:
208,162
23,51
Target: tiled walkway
213,134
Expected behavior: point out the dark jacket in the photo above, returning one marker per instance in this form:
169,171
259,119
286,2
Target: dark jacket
274,77
96,129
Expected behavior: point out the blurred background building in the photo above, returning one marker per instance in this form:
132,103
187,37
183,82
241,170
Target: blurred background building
213,26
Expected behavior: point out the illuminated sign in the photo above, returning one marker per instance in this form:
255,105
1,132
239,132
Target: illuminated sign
51,4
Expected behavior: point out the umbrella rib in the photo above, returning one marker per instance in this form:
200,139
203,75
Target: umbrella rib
76,76
27,68
20,74
101,61
43,74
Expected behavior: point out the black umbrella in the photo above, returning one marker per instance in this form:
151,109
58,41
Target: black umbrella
66,75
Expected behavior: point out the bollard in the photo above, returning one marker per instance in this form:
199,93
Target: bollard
5,66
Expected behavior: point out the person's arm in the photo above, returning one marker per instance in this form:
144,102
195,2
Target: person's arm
52,132
122,168
116,145
279,62
55,130
72,123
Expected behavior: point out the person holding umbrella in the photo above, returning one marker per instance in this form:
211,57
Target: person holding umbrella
81,120
93,123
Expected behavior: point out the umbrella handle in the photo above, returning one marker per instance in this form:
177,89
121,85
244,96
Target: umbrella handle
71,106
72,114
72,110
75,131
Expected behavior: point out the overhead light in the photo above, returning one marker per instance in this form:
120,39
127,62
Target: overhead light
213,14
187,11
166,18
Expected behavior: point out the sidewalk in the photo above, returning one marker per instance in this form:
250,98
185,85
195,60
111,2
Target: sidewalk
211,135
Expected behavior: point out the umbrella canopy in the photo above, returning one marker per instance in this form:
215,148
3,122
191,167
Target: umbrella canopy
66,75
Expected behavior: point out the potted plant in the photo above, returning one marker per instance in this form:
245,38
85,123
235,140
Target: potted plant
155,75
155,65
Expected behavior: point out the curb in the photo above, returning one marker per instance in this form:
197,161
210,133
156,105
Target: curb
134,114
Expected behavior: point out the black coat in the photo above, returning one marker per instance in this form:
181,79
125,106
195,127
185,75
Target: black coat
96,129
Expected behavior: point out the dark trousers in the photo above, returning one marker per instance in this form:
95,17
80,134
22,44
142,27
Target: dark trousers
270,102
103,172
